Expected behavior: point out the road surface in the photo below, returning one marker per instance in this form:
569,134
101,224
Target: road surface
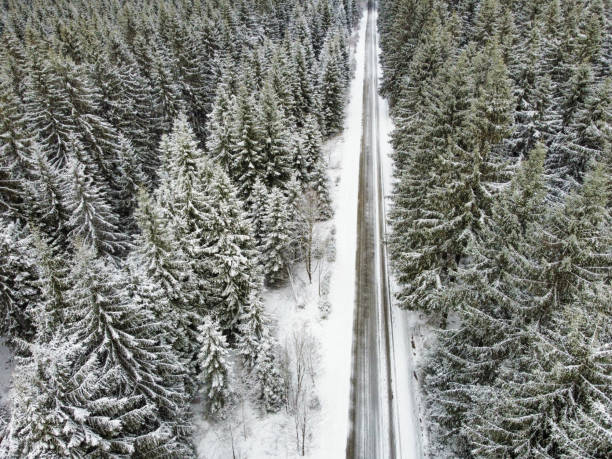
376,420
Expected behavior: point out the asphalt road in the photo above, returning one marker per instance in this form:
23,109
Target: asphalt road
374,417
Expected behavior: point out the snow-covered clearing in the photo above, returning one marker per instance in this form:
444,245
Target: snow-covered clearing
248,433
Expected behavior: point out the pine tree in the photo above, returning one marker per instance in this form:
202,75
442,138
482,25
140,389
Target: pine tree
230,248
282,81
212,362
331,87
19,289
247,144
489,295
256,203
276,230
581,140
492,112
536,118
430,55
253,331
42,423
52,274
91,218
489,11
305,97
159,260
320,184
425,247
545,409
47,196
271,387
16,145
276,153
13,60
121,358
184,211
219,142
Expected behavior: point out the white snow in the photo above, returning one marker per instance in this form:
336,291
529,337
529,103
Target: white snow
247,433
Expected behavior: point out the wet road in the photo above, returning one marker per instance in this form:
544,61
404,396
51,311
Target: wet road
373,411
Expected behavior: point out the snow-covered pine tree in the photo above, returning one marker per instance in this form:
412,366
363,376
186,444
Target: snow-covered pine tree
535,114
431,53
52,270
247,143
13,60
47,196
213,365
19,289
276,231
91,217
219,141
43,424
16,146
122,367
312,147
574,250
487,15
492,110
305,97
158,260
267,370
555,404
62,103
319,181
228,243
276,152
125,100
584,133
490,298
281,78
331,87
253,331
294,193
166,89
422,254
316,165
256,203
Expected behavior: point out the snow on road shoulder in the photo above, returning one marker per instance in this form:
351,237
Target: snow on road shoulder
337,331
408,329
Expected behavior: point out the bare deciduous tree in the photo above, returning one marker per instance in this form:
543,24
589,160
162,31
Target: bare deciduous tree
309,212
301,350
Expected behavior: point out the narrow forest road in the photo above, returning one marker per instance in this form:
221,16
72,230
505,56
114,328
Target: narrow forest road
376,420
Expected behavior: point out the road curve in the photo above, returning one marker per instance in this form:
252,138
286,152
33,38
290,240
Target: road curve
374,417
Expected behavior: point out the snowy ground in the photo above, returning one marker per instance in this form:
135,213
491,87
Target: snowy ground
246,432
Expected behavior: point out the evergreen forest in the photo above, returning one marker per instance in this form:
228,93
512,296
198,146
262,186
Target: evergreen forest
501,218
